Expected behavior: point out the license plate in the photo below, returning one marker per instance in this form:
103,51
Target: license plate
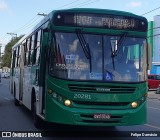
102,116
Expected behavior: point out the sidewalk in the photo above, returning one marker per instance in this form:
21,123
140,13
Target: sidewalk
152,95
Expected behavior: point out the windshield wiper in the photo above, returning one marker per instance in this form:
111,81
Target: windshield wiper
85,46
120,42
119,45
112,56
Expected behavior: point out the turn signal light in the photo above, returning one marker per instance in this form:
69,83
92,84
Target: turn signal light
50,91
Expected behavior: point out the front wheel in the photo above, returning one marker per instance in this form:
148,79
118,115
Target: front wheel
38,122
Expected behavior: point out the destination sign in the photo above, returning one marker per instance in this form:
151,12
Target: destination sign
115,22
100,21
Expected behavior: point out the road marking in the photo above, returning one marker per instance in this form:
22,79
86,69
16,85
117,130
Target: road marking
5,84
7,99
149,125
154,108
153,100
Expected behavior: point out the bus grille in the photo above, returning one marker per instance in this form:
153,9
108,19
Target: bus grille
102,89
102,103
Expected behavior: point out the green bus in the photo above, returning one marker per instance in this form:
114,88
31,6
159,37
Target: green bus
85,67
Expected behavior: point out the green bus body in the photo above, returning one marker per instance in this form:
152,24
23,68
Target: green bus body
94,102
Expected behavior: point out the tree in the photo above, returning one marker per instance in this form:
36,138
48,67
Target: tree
6,58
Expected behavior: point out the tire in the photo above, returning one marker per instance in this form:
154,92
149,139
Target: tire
38,122
16,102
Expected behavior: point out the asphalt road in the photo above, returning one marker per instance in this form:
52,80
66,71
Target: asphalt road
16,119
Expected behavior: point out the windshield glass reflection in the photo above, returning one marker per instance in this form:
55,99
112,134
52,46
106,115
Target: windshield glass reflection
68,58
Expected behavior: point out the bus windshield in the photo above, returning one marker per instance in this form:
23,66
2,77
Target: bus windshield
68,58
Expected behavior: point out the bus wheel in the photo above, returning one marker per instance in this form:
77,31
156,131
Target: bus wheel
38,122
16,102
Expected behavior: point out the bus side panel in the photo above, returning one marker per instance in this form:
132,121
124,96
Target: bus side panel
27,87
37,89
17,85
11,84
12,71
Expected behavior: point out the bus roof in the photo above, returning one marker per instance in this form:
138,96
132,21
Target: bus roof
79,10
99,11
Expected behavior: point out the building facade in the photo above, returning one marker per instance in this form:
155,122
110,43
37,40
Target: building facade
154,40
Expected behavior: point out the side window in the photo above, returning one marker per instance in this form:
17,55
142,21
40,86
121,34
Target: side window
25,53
17,56
37,47
29,50
32,48
13,59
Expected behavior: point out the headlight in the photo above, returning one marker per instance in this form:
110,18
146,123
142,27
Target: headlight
67,102
134,104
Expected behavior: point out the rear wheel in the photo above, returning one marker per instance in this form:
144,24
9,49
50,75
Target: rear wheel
16,102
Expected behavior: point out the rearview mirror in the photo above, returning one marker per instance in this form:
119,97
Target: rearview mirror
114,46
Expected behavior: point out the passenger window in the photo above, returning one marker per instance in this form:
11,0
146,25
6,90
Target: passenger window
13,59
29,50
32,48
37,47
17,56
25,54
32,42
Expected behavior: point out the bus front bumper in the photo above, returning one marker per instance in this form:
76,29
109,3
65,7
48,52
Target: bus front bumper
58,113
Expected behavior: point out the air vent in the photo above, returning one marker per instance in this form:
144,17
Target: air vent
102,89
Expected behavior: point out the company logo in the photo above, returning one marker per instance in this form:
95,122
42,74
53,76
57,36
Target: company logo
103,89
6,134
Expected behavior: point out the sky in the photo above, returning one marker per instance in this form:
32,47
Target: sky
19,16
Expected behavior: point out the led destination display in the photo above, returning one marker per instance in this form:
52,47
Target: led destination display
100,21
